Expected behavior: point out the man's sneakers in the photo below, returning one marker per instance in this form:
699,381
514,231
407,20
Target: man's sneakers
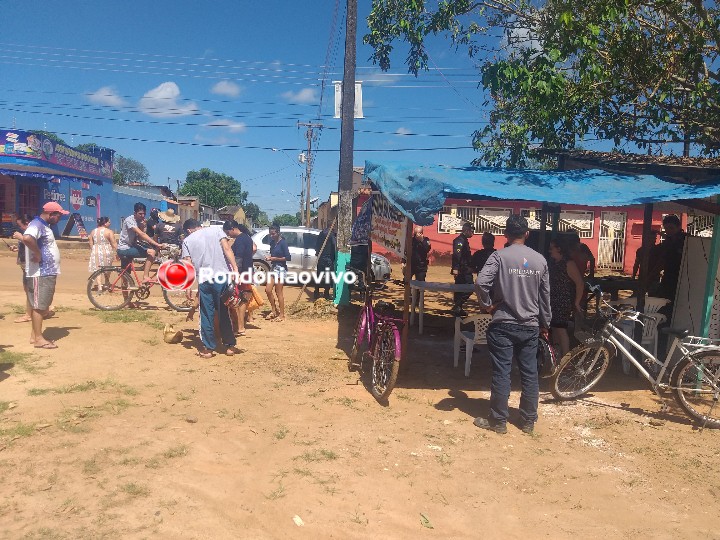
484,423
528,428
501,428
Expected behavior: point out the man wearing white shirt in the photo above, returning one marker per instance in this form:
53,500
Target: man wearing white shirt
42,267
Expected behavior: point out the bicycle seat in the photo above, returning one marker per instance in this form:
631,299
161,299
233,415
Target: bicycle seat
677,332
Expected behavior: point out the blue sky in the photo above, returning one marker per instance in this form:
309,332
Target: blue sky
224,86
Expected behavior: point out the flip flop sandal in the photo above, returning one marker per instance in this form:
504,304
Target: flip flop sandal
48,345
271,316
205,355
232,351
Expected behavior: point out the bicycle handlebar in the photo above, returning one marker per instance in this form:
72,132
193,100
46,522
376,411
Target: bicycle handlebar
628,314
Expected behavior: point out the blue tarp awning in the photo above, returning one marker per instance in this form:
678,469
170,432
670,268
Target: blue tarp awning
419,191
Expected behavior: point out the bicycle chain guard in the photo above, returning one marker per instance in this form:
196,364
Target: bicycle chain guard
142,292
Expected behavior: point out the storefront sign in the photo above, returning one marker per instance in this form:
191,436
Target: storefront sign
53,195
38,147
76,198
389,226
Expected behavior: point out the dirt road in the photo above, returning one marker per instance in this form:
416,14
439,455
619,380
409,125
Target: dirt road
119,435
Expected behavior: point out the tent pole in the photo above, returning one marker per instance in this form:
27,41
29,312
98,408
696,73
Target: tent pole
543,228
711,276
406,297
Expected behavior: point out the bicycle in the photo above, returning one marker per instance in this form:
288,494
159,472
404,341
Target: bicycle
694,379
113,287
379,335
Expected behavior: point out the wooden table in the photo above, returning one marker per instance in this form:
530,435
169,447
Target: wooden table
422,286
614,285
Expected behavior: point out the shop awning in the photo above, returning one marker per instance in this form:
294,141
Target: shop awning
419,191
33,168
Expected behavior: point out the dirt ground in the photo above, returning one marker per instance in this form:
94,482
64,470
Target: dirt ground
117,434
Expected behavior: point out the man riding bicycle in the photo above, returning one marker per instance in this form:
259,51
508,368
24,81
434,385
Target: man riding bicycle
128,247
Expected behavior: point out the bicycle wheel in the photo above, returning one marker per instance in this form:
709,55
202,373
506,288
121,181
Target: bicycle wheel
178,300
386,362
359,341
696,383
580,370
109,289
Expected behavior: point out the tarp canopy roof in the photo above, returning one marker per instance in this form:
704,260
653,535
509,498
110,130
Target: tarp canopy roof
419,191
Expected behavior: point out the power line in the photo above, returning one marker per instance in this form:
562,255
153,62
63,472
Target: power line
245,147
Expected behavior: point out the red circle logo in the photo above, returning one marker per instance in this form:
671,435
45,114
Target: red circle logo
176,275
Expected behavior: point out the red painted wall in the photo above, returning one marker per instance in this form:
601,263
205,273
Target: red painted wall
442,242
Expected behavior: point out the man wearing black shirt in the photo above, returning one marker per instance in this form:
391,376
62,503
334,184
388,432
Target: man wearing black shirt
420,251
672,251
462,267
480,257
167,229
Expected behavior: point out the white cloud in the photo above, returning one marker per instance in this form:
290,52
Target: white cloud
403,131
229,125
379,78
163,101
304,96
106,96
226,88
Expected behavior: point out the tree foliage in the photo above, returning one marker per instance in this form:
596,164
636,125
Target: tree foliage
54,138
213,188
286,219
129,171
252,211
621,70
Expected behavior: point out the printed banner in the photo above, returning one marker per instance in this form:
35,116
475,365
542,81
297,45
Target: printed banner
24,144
360,235
389,226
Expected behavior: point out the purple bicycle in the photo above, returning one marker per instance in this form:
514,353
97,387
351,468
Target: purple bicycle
377,340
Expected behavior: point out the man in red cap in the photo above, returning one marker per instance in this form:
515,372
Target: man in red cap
42,267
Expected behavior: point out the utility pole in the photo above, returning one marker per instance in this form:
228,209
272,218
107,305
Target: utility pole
310,135
347,143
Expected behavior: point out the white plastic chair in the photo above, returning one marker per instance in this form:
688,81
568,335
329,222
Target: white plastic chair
469,339
649,336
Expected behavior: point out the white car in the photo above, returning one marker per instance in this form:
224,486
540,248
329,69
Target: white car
301,243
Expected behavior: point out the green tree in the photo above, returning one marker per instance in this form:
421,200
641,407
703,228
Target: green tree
213,188
252,211
626,71
129,171
263,220
88,148
54,138
286,219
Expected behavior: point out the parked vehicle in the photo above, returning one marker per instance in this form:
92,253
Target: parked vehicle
301,243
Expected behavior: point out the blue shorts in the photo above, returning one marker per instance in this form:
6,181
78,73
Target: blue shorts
137,252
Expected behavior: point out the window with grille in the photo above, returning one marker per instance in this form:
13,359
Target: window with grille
580,221
700,225
490,220
29,199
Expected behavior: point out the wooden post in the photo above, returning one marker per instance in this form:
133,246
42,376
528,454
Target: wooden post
347,142
406,298
647,240
543,228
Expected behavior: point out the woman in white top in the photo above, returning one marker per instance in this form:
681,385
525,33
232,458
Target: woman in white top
103,246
